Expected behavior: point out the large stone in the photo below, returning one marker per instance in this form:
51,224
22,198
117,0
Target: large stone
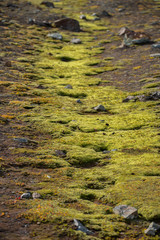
68,24
156,45
76,41
155,55
81,227
126,211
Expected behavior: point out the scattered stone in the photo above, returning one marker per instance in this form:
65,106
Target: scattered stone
8,64
83,17
48,4
69,86
39,23
27,195
94,15
129,98
21,140
38,223
156,45
57,36
104,13
152,229
96,19
121,9
125,211
105,152
60,153
76,41
132,37
155,55
100,108
68,24
81,227
36,195
79,101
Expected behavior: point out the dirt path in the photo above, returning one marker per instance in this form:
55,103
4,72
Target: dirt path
135,68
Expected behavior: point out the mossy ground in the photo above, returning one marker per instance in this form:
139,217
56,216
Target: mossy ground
87,182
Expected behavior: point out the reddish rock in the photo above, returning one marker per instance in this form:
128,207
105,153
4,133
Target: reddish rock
68,24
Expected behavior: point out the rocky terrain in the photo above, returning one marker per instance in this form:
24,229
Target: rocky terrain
79,119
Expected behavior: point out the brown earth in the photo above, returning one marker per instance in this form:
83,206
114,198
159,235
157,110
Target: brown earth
13,179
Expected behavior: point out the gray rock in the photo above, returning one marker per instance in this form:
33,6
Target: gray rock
36,195
76,41
152,229
79,101
100,108
68,24
142,40
48,4
69,86
126,211
21,140
27,195
155,55
81,227
156,45
57,36
39,23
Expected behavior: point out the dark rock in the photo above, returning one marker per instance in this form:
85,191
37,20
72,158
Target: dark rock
81,227
100,108
48,4
68,24
60,153
11,5
8,64
69,86
152,229
36,195
150,97
27,195
76,41
126,211
104,13
57,36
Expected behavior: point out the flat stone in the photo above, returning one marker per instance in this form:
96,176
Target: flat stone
126,211
57,36
21,140
81,227
155,226
36,195
155,55
68,24
76,41
100,108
